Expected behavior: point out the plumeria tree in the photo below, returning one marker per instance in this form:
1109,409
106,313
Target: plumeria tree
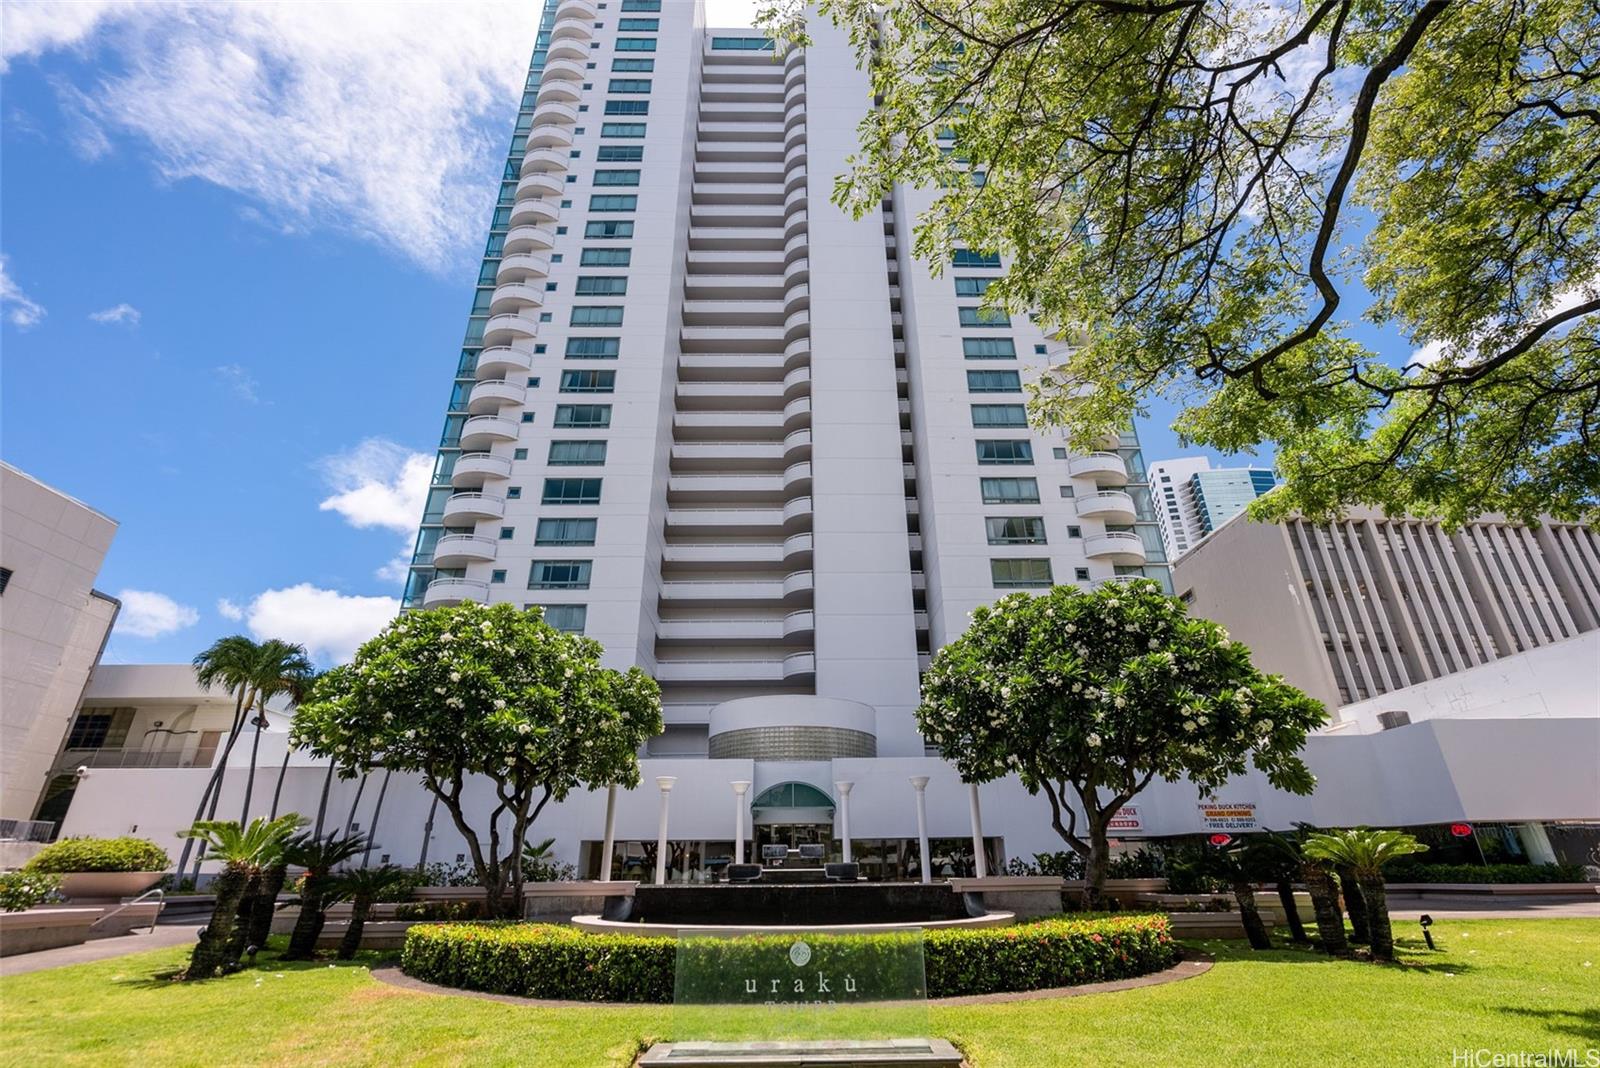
489,693
1088,696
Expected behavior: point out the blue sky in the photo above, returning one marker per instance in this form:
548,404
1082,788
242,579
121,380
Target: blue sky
239,246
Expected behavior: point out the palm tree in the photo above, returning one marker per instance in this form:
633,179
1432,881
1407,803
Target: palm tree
1239,868
244,852
1279,859
363,886
298,692
226,662
1365,851
1324,891
1355,903
318,856
279,668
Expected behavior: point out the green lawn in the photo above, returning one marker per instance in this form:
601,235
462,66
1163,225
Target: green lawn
1505,985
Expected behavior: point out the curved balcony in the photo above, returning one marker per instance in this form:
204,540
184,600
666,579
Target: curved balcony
797,352
572,28
1115,546
539,184
798,584
563,69
797,445
543,161
795,223
795,413
556,89
445,591
1105,468
512,298
582,10
481,431
797,514
796,624
799,665
797,478
505,329
473,469
550,135
797,549
797,383
522,267
503,360
471,506
569,48
554,112
458,550
1112,506
796,247
490,395
529,239
535,212
797,272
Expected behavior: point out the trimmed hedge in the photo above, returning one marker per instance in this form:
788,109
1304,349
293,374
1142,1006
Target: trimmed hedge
100,854
1483,873
549,961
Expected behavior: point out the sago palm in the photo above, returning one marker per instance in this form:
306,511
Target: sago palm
244,852
1278,858
318,855
363,886
1365,851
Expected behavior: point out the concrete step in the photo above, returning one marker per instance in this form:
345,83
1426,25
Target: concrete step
889,1053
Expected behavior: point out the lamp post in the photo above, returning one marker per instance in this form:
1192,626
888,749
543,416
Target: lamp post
919,783
844,815
665,782
980,863
610,843
739,788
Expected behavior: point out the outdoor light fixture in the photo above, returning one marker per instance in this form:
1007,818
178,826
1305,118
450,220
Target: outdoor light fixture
1427,935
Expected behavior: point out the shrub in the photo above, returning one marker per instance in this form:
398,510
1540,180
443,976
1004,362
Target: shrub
548,961
100,854
439,910
21,890
1483,873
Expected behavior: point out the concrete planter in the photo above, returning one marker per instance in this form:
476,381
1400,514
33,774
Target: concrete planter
1125,891
107,885
46,928
1026,896
1211,924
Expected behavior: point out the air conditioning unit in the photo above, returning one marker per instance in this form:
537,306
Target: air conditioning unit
1390,720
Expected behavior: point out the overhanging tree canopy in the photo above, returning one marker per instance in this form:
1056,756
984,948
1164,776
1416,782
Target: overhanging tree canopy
1194,192
490,692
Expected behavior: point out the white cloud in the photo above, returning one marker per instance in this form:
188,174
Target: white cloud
384,120
228,610
328,623
146,614
20,310
238,380
378,484
120,315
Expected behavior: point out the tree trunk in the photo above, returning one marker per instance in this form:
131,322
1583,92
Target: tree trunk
1250,916
349,821
1354,903
238,938
1291,913
1325,904
372,828
211,952
308,927
250,779
213,785
266,905
359,908
277,791
1378,929
1094,866
322,805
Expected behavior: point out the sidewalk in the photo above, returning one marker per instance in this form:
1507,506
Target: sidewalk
100,949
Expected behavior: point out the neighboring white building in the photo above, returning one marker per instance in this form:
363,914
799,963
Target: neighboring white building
53,626
754,447
1192,498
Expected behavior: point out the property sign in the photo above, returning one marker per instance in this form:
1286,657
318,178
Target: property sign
1228,815
1126,819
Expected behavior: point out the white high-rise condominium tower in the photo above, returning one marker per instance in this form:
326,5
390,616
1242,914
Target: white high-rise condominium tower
1192,499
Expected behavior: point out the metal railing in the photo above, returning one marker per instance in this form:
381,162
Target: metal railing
107,757
26,830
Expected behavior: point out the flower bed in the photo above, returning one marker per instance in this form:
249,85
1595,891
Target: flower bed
549,961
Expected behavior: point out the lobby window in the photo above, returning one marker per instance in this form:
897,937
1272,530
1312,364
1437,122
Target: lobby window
1004,451
588,381
622,129
583,415
988,348
966,257
622,63
559,575
973,287
565,532
627,107
994,382
593,348
620,153
596,315
629,85
601,286
605,257
983,317
576,453
1009,490
1015,530
1019,574
608,228
566,617
612,202
997,415
571,491
629,177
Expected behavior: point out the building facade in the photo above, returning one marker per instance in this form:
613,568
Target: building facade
1192,499
1355,609
53,626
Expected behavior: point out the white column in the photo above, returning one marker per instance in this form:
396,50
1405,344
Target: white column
919,783
739,788
665,783
608,846
979,860
844,816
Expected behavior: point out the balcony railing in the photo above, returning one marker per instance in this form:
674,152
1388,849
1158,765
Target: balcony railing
26,830
111,757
